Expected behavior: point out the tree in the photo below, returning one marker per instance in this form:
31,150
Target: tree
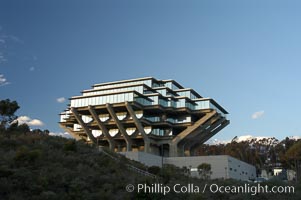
23,128
293,156
37,131
46,132
7,112
204,170
186,171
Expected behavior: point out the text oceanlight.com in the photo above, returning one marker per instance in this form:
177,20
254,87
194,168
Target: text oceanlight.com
159,188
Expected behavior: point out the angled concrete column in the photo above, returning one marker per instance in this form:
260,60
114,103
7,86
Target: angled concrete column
199,133
71,132
210,133
223,125
139,127
193,127
103,128
127,138
174,143
202,132
84,126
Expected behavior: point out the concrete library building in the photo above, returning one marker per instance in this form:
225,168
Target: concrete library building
147,119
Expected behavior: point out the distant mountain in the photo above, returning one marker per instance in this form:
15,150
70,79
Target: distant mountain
294,137
62,134
263,139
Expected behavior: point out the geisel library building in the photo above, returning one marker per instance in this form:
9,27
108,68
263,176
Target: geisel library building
145,119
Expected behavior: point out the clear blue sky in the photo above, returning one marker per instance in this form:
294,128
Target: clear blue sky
244,54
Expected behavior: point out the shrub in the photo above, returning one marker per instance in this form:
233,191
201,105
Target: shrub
70,146
23,154
154,170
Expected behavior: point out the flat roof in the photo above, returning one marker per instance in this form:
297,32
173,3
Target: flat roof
190,89
174,82
106,94
213,102
117,87
124,81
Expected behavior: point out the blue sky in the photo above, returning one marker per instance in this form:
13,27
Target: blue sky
244,54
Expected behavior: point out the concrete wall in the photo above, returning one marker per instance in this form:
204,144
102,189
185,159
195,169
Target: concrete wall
218,164
240,170
222,166
145,158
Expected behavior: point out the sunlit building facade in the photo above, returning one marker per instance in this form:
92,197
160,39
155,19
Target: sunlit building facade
160,117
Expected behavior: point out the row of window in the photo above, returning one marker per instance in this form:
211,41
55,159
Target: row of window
136,88
181,103
158,131
153,119
143,101
172,120
188,94
119,98
146,82
184,119
100,100
171,86
207,104
162,91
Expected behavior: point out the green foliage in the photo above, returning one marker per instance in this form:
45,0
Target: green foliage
37,167
293,158
70,146
168,173
5,171
15,128
154,170
24,155
294,152
23,128
264,153
204,170
205,167
7,112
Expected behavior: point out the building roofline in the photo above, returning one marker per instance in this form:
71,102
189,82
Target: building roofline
124,81
174,82
106,94
117,87
213,102
190,89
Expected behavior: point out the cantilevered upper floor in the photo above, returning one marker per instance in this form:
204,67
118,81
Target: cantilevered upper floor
147,92
143,114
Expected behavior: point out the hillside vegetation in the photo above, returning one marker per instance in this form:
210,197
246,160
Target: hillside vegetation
38,166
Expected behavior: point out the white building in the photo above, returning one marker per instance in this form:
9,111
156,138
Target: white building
222,166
